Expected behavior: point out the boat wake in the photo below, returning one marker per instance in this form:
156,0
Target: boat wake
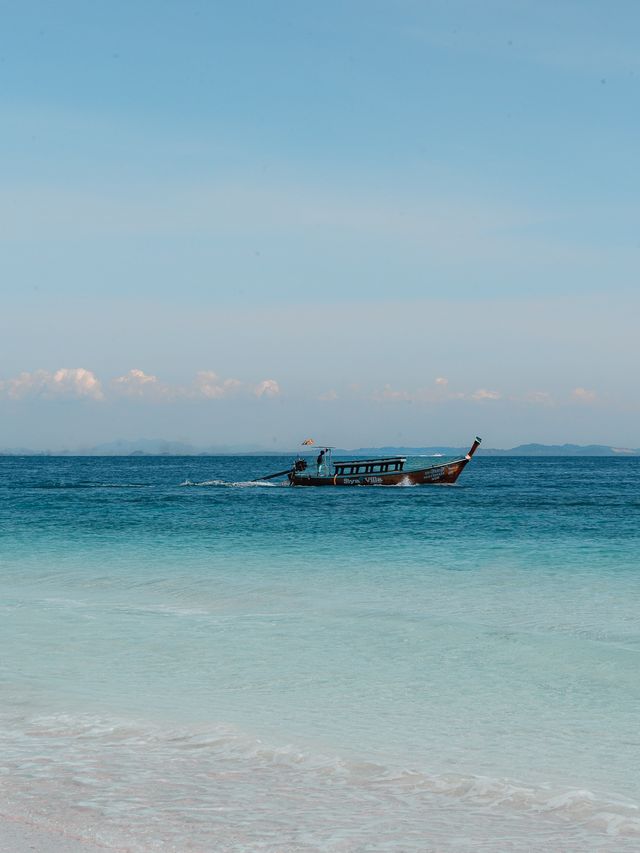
236,485
82,484
405,483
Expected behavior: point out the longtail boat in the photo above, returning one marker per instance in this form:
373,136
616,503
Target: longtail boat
383,471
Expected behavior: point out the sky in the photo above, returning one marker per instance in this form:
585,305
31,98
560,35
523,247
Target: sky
247,223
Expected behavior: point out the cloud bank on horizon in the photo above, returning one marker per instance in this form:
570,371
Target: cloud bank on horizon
78,383
388,220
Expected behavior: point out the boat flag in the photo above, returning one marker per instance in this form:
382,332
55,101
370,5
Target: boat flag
308,442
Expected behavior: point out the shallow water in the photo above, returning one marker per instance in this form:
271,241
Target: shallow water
193,663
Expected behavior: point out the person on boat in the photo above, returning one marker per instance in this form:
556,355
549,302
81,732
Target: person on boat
320,460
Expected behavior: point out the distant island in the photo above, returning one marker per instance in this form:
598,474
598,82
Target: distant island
160,447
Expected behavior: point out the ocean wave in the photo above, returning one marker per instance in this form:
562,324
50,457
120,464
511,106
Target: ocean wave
218,787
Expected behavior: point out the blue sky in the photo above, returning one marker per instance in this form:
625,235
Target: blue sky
373,222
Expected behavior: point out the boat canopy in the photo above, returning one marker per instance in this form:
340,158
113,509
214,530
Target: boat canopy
369,466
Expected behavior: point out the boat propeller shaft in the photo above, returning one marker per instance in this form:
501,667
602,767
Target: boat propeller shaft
271,476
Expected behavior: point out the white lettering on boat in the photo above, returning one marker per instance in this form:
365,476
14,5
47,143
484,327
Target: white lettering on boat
433,474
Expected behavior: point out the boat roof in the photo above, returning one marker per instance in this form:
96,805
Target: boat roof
369,461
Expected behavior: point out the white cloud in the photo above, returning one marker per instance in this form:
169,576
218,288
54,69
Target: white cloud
137,383
391,394
421,395
540,398
77,383
441,394
208,384
328,396
583,395
267,388
65,383
484,394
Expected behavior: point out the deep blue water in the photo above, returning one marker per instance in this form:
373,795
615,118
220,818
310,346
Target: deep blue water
194,662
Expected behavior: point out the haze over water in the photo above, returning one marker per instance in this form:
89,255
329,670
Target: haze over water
194,663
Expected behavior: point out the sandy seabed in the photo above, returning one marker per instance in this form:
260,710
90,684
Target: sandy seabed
18,837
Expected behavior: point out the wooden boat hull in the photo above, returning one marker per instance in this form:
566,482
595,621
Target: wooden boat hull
431,475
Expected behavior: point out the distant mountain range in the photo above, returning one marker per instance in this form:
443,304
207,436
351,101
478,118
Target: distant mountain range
159,447
520,450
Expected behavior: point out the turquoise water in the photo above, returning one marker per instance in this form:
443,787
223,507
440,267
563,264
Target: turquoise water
190,662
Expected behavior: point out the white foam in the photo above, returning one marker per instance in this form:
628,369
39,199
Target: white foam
217,787
241,484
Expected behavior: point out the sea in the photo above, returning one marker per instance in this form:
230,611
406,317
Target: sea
190,661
